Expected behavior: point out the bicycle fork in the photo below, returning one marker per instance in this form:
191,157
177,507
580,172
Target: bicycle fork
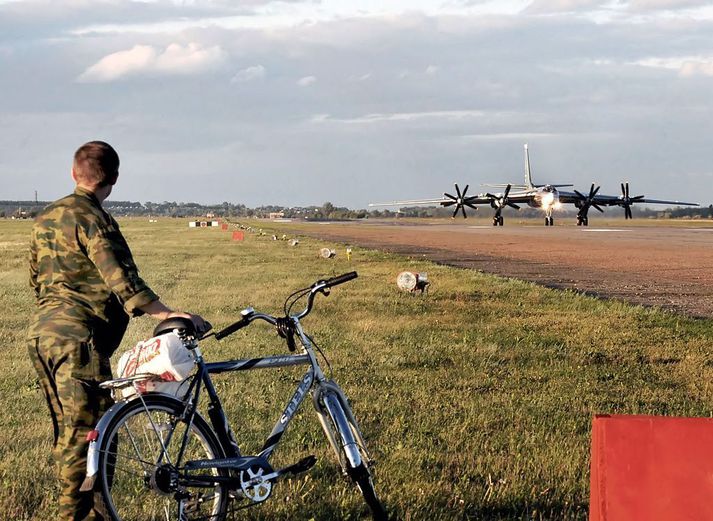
333,410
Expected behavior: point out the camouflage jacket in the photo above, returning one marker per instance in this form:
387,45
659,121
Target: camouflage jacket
84,277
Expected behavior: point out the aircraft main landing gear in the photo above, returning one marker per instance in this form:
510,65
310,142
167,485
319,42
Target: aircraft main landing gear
498,220
582,221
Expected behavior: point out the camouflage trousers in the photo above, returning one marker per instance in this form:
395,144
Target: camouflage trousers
69,373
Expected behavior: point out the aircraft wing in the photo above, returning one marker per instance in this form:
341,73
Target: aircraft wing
608,200
615,200
516,197
413,202
459,201
443,201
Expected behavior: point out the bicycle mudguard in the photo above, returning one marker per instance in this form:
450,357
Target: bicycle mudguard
96,436
334,386
335,409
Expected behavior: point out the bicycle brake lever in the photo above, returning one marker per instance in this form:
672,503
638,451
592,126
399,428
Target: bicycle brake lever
291,342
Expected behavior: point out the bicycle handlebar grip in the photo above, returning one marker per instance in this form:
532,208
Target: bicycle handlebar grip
340,279
232,328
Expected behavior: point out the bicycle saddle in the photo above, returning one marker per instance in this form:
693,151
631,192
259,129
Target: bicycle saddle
168,325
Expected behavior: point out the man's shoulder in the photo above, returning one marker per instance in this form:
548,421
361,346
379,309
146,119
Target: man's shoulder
71,208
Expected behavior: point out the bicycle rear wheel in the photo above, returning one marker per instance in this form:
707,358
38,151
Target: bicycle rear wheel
352,455
140,477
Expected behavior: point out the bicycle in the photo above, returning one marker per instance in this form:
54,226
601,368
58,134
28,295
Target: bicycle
154,456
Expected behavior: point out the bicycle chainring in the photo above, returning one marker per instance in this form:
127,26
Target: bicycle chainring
254,487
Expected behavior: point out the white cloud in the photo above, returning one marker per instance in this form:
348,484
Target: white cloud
306,81
358,78
254,72
449,115
431,70
147,60
652,5
558,6
697,68
685,66
118,64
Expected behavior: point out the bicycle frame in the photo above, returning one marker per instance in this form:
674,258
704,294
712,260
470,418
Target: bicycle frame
313,380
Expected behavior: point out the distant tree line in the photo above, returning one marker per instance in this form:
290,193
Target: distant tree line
327,211
29,209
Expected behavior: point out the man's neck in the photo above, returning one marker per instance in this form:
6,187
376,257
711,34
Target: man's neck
100,192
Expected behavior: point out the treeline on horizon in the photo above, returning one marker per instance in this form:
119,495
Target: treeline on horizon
327,211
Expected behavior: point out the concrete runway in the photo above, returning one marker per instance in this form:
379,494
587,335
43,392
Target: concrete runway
667,265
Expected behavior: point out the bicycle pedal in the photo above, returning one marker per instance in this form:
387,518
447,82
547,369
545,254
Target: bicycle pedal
301,466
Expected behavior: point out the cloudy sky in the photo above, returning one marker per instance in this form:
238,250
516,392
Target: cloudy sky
302,102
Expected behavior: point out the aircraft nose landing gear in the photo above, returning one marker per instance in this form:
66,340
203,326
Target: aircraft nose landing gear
549,221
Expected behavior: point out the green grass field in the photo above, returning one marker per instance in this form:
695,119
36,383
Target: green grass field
476,399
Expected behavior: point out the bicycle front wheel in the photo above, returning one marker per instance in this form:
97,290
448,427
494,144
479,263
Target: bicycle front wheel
141,457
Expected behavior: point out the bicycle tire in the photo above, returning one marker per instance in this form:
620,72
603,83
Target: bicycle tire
365,483
360,473
132,486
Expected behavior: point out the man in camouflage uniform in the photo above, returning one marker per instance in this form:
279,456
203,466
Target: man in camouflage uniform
87,286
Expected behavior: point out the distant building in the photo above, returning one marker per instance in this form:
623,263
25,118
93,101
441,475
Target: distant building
277,215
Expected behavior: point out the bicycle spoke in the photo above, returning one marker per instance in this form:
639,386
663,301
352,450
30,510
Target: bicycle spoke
133,442
143,462
155,430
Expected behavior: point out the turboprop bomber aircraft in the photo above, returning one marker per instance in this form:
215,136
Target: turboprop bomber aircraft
547,197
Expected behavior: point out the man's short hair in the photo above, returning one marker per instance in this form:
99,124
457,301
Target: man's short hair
96,163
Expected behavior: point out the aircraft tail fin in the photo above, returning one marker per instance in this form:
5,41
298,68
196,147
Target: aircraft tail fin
528,172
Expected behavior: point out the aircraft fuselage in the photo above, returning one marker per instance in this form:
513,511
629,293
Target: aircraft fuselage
546,197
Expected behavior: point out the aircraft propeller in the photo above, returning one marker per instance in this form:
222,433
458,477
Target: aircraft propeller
627,201
585,202
500,202
460,201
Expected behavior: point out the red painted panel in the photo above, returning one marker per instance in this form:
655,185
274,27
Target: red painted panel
651,468
238,236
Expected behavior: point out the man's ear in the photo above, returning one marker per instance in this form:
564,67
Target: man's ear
74,175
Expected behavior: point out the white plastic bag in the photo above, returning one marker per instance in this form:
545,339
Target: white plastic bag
165,357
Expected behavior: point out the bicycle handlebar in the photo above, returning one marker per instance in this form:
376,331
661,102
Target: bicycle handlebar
340,279
232,328
248,315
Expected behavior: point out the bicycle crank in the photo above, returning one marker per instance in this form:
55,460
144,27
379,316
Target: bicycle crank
257,486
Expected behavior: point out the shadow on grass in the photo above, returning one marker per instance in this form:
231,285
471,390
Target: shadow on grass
530,511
